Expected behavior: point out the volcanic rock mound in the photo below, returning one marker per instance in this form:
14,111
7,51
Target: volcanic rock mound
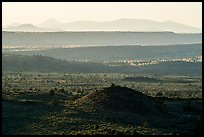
117,98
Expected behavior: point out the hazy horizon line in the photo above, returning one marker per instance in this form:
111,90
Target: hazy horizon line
52,18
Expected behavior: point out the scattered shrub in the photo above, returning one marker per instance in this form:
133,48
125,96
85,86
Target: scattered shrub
55,102
135,132
52,92
96,127
112,85
159,94
146,125
61,90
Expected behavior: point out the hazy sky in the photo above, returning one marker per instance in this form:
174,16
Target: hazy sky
189,13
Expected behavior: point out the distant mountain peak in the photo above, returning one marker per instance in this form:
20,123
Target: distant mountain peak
26,26
122,24
22,27
49,22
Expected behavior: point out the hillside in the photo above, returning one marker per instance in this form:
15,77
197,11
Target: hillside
48,64
56,39
118,53
45,64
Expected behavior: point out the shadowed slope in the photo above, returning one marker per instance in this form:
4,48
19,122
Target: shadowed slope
123,99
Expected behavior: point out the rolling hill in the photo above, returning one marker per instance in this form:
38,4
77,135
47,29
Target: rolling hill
117,53
57,39
19,63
